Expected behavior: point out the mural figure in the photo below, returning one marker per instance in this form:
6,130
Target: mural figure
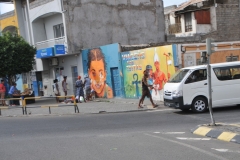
159,78
136,82
98,74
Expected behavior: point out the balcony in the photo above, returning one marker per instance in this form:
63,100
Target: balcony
50,43
175,28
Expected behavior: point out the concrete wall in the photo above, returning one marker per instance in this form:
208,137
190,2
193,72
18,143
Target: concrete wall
228,22
49,6
50,22
67,62
94,23
39,31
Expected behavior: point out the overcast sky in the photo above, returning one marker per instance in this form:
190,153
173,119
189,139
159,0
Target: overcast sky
9,7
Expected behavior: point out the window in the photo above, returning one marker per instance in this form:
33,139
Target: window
188,22
58,30
178,77
231,58
196,76
227,73
203,17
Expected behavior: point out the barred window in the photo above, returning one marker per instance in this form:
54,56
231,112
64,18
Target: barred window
58,30
188,22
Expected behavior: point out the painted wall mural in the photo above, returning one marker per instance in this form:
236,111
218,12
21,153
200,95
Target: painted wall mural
158,61
103,67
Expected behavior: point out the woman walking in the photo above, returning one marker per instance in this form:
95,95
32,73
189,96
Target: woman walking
145,91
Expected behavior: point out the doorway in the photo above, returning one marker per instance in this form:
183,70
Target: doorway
115,76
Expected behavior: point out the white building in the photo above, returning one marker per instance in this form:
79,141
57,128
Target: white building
42,24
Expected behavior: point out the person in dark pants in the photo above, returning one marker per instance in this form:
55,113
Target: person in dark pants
79,89
145,91
11,92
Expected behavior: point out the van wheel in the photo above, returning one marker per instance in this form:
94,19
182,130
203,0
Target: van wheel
199,105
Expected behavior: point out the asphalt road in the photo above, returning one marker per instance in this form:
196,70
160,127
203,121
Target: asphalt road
155,135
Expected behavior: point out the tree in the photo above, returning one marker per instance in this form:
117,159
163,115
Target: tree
16,56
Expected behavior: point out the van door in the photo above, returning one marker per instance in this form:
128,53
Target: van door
195,85
226,84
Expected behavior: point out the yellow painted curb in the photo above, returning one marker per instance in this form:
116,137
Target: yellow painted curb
3,107
226,136
202,131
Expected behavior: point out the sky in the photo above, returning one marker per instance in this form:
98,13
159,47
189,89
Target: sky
172,2
9,7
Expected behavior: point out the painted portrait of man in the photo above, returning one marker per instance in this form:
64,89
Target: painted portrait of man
98,74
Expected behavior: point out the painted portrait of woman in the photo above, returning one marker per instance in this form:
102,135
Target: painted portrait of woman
97,73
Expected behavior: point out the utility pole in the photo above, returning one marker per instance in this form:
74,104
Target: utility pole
209,52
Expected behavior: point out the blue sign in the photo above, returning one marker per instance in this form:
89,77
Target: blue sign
59,49
45,53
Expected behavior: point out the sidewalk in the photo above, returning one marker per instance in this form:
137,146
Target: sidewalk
41,107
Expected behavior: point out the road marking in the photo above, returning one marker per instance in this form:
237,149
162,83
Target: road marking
162,110
169,132
225,150
188,146
195,139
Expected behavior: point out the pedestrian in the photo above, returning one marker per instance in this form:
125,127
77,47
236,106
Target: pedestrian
12,90
2,92
64,85
56,90
87,87
79,89
145,90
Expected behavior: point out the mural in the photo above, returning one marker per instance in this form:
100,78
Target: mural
103,67
158,61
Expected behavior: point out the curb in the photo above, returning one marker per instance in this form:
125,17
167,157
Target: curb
217,134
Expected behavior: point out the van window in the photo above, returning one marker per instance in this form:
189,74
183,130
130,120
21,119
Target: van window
196,76
178,76
227,73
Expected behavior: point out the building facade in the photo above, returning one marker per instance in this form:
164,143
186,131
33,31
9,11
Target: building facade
196,20
129,22
62,29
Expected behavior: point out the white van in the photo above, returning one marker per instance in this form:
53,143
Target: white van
188,88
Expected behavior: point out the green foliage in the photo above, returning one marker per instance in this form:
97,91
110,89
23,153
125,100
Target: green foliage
16,56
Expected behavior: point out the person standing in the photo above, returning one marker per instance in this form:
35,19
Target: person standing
56,90
87,86
79,89
64,85
145,90
11,92
2,92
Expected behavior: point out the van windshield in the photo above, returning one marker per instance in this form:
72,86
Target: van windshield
178,76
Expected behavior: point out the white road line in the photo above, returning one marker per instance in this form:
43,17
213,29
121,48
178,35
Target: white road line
188,146
194,139
225,150
169,132
162,110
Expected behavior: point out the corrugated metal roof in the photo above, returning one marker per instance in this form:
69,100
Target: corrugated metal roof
186,4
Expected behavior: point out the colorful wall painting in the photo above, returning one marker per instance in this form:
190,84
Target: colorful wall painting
103,66
158,61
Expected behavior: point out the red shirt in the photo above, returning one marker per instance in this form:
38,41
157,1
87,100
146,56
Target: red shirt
2,88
